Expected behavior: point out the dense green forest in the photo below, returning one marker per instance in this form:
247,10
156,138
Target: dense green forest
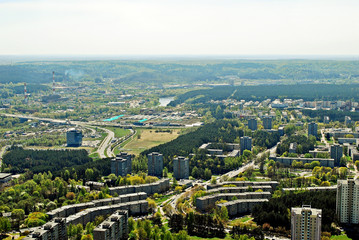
185,71
19,159
307,92
333,115
276,212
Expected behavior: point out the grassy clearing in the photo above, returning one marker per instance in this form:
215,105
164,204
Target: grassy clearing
240,220
147,138
94,156
228,237
340,237
119,132
162,199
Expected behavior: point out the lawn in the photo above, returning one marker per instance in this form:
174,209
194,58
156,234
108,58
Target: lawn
340,237
240,220
119,132
148,138
198,238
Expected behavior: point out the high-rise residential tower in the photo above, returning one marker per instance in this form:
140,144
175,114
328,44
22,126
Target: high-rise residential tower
155,164
347,206
181,168
306,223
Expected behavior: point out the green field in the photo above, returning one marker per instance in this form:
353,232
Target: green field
198,238
340,237
119,132
148,138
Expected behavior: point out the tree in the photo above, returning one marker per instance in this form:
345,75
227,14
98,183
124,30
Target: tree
224,214
178,189
357,165
343,161
151,204
87,237
314,164
195,172
89,174
214,180
207,174
18,215
165,172
5,225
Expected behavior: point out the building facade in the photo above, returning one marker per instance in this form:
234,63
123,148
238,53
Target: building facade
347,205
74,138
252,124
306,223
155,164
113,228
313,129
336,153
181,168
246,144
267,122
122,164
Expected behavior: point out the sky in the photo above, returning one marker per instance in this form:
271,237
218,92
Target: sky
179,27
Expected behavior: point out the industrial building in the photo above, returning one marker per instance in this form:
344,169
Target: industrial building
74,138
181,168
347,204
155,164
306,223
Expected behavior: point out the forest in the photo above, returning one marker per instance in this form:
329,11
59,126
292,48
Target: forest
176,71
276,212
307,92
19,159
333,115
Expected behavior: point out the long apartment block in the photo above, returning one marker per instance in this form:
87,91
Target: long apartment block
273,184
240,206
160,186
68,210
208,202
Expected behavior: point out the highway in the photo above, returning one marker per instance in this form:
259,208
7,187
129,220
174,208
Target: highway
105,145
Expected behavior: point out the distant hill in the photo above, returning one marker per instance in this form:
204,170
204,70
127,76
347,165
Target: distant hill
184,71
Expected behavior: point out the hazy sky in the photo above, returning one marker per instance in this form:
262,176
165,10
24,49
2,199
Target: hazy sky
141,27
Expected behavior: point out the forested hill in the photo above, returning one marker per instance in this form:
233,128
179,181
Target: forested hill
307,92
184,71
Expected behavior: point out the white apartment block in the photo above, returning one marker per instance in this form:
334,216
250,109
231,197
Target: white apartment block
348,201
306,223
